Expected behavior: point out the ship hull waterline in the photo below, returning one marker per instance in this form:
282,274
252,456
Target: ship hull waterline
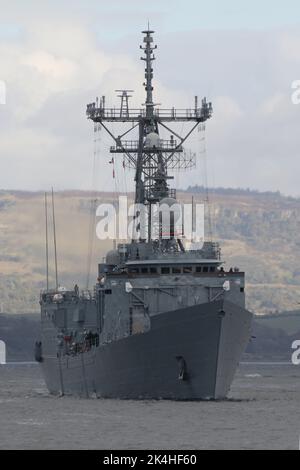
189,354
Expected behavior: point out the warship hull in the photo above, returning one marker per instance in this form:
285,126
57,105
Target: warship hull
189,354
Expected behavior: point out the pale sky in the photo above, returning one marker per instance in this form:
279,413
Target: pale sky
56,56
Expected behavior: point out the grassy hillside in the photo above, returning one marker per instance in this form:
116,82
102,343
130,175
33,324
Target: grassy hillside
259,232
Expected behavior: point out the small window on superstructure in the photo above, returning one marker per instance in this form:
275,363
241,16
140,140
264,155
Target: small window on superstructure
187,269
198,269
205,269
153,270
176,270
134,270
144,270
212,269
165,270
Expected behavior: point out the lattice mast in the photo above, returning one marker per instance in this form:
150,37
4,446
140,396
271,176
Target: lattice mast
150,156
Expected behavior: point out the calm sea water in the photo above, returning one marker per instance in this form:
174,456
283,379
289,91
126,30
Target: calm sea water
263,412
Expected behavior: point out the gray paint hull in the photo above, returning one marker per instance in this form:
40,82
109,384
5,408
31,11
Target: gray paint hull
210,337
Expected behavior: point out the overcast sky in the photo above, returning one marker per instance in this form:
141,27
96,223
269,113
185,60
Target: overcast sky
56,56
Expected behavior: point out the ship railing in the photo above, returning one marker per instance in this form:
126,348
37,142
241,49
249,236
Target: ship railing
59,296
133,146
92,112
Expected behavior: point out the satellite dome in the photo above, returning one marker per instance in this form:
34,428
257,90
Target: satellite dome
152,140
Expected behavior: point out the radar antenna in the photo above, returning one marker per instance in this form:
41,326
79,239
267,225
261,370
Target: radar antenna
124,96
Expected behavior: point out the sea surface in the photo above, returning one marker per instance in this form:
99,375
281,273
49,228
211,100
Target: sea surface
263,412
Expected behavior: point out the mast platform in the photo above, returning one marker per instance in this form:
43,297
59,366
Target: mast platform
100,114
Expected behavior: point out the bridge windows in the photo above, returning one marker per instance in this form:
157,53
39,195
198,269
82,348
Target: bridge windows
205,269
187,270
165,270
176,270
134,270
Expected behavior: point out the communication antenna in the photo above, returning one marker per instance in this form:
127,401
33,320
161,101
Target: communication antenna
54,240
47,245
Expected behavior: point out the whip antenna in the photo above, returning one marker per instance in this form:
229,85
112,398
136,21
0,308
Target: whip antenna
54,241
47,244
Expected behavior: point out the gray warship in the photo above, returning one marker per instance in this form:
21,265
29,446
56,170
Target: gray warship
163,321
